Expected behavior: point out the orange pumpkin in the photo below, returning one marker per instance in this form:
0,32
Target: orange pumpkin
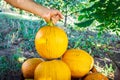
79,62
52,70
51,42
95,76
29,66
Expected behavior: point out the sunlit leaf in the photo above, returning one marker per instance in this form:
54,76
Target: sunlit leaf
81,17
85,23
101,25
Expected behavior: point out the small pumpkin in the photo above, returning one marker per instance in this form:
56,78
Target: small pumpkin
29,66
52,70
51,42
79,62
95,76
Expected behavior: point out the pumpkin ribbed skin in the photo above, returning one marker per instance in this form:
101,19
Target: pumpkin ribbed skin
79,62
51,42
29,66
95,76
52,70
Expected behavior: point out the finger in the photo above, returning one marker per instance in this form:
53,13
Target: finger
60,15
47,17
56,12
47,20
55,18
54,21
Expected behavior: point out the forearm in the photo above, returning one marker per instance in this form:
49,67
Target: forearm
29,5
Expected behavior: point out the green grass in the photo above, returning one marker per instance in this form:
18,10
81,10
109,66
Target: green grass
16,35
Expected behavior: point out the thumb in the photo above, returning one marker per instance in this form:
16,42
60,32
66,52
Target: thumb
47,17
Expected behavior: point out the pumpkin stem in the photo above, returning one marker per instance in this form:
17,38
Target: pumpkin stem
50,23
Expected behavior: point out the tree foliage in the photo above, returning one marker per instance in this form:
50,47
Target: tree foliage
106,12
61,5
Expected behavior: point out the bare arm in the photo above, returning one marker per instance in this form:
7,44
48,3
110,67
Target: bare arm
31,6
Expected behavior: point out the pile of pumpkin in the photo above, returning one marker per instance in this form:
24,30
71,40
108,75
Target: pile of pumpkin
57,62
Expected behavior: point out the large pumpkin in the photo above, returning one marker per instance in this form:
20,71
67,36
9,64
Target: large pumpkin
51,42
79,62
95,76
52,70
29,66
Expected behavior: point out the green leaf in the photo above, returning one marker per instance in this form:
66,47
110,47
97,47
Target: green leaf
118,33
112,27
81,17
85,23
101,25
92,0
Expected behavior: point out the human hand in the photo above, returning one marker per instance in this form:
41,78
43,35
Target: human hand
47,14
52,15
